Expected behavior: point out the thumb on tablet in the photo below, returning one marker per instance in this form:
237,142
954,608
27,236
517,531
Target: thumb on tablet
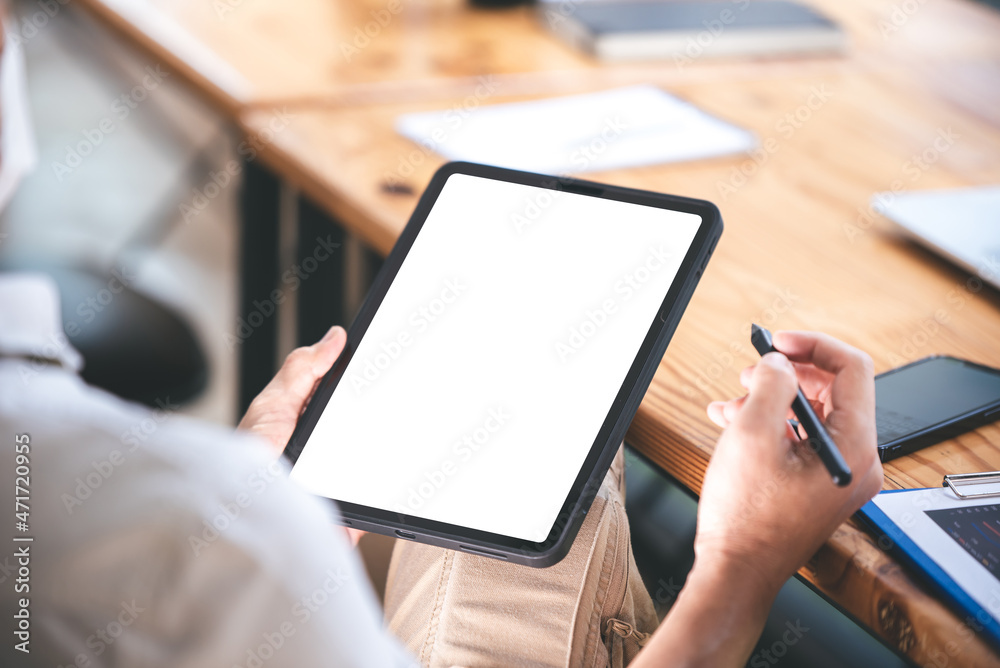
275,411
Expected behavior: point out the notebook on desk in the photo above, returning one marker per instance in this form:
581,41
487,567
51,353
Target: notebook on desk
951,537
615,30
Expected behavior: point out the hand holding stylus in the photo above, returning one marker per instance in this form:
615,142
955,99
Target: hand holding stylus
767,503
818,437
763,479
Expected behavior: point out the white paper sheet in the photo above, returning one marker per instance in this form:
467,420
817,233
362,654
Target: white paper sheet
620,128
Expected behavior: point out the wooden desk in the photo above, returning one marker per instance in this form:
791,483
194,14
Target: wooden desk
242,53
797,253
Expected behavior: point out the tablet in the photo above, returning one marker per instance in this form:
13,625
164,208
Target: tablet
497,362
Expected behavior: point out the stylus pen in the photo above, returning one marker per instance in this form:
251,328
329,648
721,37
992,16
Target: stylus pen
819,437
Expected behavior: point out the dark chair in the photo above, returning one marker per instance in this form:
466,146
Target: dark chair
132,346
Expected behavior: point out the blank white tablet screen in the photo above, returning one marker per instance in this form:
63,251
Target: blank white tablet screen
484,377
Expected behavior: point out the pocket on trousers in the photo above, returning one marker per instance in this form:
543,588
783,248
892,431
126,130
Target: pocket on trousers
627,617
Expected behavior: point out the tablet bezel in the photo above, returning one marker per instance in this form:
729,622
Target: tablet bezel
620,413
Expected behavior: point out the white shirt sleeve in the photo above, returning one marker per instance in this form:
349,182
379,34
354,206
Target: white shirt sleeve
160,541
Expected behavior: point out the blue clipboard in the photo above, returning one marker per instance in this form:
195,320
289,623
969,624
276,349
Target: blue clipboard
910,554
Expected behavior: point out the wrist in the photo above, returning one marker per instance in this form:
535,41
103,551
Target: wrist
749,584
717,618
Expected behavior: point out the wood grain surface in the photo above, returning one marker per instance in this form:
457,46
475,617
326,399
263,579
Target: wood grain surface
242,53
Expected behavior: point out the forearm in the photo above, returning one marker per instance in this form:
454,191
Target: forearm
715,621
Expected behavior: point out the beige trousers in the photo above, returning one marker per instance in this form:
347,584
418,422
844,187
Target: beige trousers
591,609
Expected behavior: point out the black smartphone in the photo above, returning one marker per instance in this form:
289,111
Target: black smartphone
932,400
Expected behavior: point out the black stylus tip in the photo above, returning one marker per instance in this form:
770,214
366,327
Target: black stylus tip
761,339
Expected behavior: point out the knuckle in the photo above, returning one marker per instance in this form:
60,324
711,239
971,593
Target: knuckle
865,362
785,380
298,357
783,374
738,430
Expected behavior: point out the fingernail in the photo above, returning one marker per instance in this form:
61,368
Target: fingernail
331,333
